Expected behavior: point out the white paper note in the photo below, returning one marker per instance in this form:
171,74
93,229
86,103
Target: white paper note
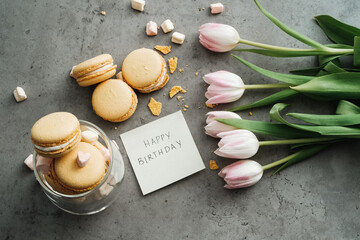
162,152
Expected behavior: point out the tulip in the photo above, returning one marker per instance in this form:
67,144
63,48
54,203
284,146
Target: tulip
241,174
224,87
213,127
218,37
239,144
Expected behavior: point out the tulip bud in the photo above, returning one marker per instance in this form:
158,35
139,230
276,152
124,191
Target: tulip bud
241,174
218,37
213,127
238,144
224,87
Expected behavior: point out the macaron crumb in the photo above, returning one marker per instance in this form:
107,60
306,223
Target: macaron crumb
164,49
186,106
250,113
173,64
179,98
155,107
29,162
184,109
181,70
103,13
197,73
115,128
209,105
175,90
213,165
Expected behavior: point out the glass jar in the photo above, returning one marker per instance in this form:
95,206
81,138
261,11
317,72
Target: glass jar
101,196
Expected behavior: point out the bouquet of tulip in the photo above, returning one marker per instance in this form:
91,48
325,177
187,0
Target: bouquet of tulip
328,81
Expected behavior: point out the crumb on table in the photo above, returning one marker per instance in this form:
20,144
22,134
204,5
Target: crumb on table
175,90
164,49
155,107
172,64
213,165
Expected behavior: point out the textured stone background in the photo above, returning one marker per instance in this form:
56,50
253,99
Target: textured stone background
41,40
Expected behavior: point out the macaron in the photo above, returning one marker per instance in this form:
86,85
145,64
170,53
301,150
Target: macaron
145,70
56,134
67,176
94,70
114,100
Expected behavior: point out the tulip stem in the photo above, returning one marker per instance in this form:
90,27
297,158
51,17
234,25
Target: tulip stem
324,51
296,141
281,161
266,86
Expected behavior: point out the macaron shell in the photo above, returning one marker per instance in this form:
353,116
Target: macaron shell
114,100
96,77
91,65
142,68
80,178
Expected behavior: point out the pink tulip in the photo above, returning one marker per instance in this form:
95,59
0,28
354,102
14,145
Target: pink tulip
218,37
238,144
213,127
241,174
224,87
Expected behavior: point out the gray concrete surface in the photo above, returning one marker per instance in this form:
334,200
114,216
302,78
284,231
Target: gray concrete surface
41,40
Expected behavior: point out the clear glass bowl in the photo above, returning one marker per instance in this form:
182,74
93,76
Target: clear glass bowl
101,196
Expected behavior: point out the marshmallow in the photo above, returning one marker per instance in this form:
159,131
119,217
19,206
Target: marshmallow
29,162
119,76
43,163
105,152
138,5
89,136
82,158
167,26
71,72
19,94
178,38
151,28
216,8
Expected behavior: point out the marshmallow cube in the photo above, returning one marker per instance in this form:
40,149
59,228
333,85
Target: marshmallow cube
29,162
89,136
43,164
138,5
19,94
105,152
216,8
151,28
178,38
82,159
167,26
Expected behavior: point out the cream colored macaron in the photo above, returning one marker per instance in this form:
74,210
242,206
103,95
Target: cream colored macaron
56,134
94,70
145,70
114,100
67,174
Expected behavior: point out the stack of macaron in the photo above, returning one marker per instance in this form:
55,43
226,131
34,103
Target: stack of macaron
77,161
114,99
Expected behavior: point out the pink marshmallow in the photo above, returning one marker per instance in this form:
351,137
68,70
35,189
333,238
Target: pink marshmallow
216,8
43,163
29,162
71,72
151,28
82,158
105,152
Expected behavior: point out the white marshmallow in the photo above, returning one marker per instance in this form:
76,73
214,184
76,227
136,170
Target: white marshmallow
138,5
19,94
29,162
43,163
119,76
151,28
89,136
216,8
82,158
167,26
178,38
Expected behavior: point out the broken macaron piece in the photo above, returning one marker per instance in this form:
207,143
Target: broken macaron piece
94,70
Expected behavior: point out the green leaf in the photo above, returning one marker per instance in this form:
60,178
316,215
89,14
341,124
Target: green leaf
323,130
357,51
335,86
324,59
288,78
345,107
307,71
288,30
267,128
274,98
330,68
337,31
328,120
301,155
